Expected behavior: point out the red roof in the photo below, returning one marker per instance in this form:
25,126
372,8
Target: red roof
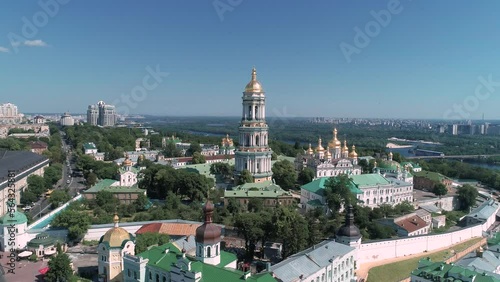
412,224
173,229
38,145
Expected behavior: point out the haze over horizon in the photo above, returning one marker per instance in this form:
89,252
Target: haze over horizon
423,60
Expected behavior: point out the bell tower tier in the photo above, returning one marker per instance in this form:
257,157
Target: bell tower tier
253,153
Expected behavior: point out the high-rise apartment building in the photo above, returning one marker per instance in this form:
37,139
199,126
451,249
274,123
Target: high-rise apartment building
9,114
101,114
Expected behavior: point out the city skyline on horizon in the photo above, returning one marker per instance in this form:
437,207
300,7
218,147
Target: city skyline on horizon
318,66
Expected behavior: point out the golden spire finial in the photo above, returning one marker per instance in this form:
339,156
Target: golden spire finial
116,219
254,74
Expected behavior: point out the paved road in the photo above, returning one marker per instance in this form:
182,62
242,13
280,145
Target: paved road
42,206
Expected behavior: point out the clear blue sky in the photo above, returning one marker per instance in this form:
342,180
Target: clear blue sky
426,59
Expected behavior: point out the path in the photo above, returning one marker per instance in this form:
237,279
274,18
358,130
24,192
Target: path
362,272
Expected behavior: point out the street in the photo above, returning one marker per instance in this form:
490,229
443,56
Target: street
76,184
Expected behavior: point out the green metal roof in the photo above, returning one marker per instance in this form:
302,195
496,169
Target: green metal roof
14,218
389,165
89,146
369,180
443,272
434,176
315,203
316,186
265,189
105,185
210,273
43,239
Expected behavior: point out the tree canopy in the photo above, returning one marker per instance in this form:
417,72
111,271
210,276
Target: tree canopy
467,195
284,174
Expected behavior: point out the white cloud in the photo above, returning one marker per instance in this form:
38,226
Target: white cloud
35,43
4,50
15,44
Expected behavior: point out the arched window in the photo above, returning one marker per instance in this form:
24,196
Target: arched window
157,278
257,116
250,112
209,252
200,251
257,140
367,201
248,140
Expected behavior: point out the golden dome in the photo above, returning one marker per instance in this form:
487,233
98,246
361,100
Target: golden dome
328,153
116,235
320,147
353,154
127,161
345,146
335,143
254,85
310,150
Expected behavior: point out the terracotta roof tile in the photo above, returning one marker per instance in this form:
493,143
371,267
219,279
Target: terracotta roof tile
173,229
412,224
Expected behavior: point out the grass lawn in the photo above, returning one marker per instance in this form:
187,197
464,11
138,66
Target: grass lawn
400,270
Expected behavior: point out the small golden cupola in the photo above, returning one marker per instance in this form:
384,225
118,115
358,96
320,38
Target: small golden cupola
254,85
328,153
116,236
345,149
320,147
335,143
353,153
310,151
127,161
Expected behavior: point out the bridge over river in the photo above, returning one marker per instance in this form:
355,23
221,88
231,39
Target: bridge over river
460,157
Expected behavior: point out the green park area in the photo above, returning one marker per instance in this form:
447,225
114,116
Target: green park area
400,270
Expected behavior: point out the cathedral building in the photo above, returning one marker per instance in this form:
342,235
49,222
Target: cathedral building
332,161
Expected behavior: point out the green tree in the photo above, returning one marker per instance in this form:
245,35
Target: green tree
171,151
193,148
59,268
338,193
233,206
467,195
141,202
75,221
52,174
28,197
440,190
251,227
291,228
245,177
145,240
91,179
198,158
36,184
306,175
58,197
284,174
255,205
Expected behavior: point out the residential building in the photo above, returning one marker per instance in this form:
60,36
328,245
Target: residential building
39,119
92,114
89,148
23,164
484,213
32,130
101,114
9,114
408,225
372,190
202,261
332,161
428,271
427,180
38,147
271,194
326,261
67,120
